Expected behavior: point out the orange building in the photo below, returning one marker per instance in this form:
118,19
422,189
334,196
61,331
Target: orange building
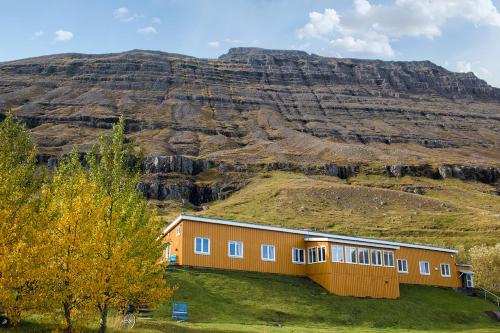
343,265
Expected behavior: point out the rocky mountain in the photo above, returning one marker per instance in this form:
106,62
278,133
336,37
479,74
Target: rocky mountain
285,110
258,105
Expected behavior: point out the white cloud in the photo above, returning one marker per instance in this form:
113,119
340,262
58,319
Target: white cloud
232,41
38,34
214,44
463,66
362,6
147,30
320,24
370,28
63,36
484,71
377,45
156,20
123,14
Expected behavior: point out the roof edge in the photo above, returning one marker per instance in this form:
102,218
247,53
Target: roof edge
302,232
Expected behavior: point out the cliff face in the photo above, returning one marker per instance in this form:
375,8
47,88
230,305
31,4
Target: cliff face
254,105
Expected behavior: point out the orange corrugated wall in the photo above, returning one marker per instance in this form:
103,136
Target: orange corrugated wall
353,279
435,258
252,239
338,278
176,242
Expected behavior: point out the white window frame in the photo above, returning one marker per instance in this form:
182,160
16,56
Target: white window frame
402,270
236,243
335,252
363,250
391,253
267,246
178,230
298,250
378,255
469,281
348,256
441,270
428,266
311,250
167,251
207,253
322,253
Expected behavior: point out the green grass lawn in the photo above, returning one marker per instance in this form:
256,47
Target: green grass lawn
223,301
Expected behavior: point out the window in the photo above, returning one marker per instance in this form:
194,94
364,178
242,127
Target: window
402,266
267,252
350,255
388,259
298,256
322,254
445,270
202,245
235,249
312,255
364,256
425,269
376,258
337,253
178,231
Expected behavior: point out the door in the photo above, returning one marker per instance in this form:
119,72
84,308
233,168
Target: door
468,281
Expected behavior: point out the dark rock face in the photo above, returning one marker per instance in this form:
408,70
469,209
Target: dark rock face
488,175
186,190
189,191
252,105
178,164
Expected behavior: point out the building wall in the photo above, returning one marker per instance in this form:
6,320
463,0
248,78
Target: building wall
338,278
356,280
435,258
176,242
252,239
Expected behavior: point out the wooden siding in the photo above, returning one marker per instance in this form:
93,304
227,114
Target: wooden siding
435,259
356,280
252,240
343,279
176,243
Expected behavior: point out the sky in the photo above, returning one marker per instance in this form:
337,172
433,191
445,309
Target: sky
460,35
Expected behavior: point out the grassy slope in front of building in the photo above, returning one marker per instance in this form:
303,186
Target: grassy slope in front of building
269,300
228,301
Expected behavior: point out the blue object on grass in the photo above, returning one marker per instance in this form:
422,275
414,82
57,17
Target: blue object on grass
180,311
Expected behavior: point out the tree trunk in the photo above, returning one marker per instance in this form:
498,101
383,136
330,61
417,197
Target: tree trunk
67,317
104,318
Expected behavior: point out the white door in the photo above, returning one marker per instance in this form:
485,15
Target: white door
469,281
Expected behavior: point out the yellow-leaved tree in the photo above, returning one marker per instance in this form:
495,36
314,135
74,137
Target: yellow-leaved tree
126,245
18,204
71,211
486,263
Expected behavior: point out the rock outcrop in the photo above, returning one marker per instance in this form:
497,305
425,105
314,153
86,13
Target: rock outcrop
488,175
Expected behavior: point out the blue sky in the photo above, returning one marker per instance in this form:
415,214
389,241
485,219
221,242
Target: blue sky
461,35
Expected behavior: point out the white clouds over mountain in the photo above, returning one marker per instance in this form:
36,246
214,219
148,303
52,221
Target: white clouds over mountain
147,30
63,36
370,28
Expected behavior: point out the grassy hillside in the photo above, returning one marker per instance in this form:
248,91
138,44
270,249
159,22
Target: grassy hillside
224,301
448,213
274,300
